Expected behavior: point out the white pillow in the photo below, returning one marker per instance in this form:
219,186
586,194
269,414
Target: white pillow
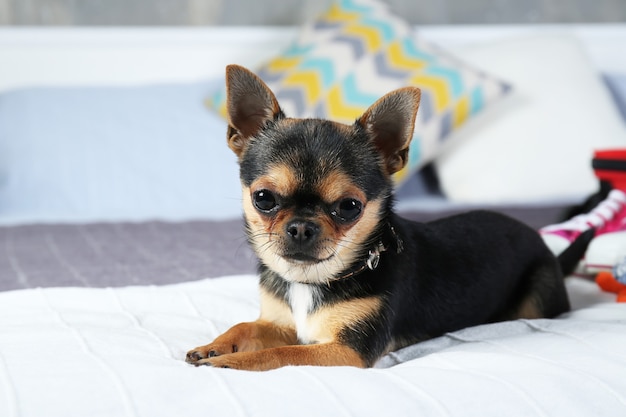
538,145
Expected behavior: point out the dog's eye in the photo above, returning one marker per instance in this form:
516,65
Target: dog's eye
347,209
264,200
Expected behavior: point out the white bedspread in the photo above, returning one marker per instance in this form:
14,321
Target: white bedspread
119,352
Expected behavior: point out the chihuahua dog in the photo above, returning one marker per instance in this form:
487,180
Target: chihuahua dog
344,280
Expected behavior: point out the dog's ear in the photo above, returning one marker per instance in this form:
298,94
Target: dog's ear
390,122
249,103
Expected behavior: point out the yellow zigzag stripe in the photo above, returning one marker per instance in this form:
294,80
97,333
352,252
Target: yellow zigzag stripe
437,86
371,36
398,176
221,109
336,14
308,81
282,63
339,111
461,111
399,59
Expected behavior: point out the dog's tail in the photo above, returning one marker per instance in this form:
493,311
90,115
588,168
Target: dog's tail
571,256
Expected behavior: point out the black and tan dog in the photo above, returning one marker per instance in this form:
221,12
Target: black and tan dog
343,279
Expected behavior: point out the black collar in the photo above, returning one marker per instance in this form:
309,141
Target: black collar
373,256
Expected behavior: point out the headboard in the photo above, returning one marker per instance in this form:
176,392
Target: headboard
119,56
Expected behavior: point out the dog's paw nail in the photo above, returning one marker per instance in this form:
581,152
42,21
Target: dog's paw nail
193,357
203,362
199,364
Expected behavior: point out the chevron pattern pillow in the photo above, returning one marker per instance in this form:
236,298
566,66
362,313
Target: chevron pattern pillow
357,51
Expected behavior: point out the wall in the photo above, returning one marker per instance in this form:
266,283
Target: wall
286,12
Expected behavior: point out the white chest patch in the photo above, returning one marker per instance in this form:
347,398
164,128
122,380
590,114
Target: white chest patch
302,299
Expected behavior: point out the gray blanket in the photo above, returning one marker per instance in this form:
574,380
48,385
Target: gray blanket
149,253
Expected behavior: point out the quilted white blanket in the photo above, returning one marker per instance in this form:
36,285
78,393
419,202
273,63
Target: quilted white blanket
119,352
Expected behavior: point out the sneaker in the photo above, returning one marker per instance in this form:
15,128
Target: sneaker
608,216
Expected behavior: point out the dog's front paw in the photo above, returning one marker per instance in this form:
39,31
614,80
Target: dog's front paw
225,361
249,361
212,350
239,342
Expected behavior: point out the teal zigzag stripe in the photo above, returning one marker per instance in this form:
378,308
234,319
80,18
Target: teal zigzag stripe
410,49
353,95
324,67
352,6
218,98
350,94
386,29
296,50
452,77
415,151
477,100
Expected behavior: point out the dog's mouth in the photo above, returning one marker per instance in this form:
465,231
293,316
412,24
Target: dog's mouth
302,258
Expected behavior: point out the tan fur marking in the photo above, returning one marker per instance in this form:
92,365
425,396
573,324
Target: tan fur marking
275,310
264,345
346,130
327,354
279,179
352,241
253,217
528,309
338,185
326,323
289,121
246,337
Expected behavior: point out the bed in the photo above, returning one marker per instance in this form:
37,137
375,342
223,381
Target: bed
122,246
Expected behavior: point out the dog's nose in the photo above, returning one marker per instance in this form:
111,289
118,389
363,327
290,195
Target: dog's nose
302,231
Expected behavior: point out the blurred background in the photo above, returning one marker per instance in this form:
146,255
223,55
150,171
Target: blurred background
290,12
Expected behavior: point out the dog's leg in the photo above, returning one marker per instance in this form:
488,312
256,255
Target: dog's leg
323,354
245,337
544,295
549,290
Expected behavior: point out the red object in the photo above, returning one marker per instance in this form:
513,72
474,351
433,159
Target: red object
610,165
607,282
